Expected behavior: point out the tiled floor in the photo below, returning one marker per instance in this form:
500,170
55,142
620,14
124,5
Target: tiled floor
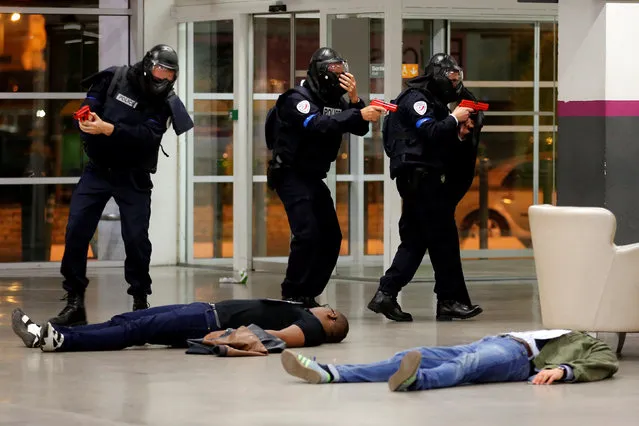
166,387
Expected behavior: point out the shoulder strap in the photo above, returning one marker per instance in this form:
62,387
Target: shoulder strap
119,74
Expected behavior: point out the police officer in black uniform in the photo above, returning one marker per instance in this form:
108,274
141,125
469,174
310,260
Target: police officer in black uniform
305,131
433,161
131,108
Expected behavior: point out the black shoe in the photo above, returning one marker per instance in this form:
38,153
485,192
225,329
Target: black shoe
140,302
383,303
448,310
73,314
306,301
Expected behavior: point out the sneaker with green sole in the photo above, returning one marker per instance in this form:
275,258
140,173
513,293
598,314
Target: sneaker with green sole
406,375
305,368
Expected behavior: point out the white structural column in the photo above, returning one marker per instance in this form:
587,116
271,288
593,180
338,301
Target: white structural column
160,27
392,87
599,110
242,151
582,50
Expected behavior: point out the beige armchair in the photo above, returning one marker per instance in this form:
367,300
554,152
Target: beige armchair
586,282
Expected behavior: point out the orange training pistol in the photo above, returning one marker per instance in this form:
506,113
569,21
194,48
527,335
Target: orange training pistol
477,106
82,114
386,105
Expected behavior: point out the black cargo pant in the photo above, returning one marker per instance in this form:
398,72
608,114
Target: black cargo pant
316,234
132,192
427,223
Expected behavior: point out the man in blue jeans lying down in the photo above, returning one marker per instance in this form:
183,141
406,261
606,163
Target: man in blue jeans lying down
173,325
544,356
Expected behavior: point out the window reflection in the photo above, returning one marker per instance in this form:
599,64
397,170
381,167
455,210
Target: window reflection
213,220
213,57
33,220
116,4
511,48
271,232
39,138
213,138
272,41
53,53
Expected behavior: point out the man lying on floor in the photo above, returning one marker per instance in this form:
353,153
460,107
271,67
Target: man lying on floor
173,325
544,356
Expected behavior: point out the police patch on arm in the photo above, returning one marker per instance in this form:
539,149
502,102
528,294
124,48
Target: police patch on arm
420,107
304,107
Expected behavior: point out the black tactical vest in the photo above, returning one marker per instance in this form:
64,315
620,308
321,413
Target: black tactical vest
310,154
402,143
125,103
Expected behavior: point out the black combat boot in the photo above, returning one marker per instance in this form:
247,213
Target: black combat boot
386,304
448,310
140,302
73,314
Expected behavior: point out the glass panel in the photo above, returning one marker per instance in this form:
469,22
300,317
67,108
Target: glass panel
306,43
547,99
374,151
212,220
114,4
39,138
509,161
33,221
53,53
373,145
261,154
349,36
374,218
511,47
343,162
417,43
213,138
547,177
548,52
376,56
498,147
343,206
213,57
271,231
272,44
505,98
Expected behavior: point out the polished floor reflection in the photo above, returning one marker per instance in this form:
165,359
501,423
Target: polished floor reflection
166,387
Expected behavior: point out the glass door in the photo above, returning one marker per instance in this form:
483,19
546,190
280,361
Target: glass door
282,47
210,144
357,178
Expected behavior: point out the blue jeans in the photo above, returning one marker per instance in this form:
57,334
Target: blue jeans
492,359
169,325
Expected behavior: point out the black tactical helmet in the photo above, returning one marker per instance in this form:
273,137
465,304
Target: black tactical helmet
162,56
437,71
323,74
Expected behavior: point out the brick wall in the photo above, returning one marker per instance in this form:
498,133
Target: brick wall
277,226
278,229
10,233
11,230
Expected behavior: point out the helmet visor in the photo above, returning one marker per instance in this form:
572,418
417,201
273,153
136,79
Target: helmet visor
455,75
337,67
162,71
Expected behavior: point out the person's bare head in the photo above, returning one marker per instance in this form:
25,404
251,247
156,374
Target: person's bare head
335,323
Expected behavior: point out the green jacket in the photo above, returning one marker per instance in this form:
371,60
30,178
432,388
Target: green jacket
590,359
